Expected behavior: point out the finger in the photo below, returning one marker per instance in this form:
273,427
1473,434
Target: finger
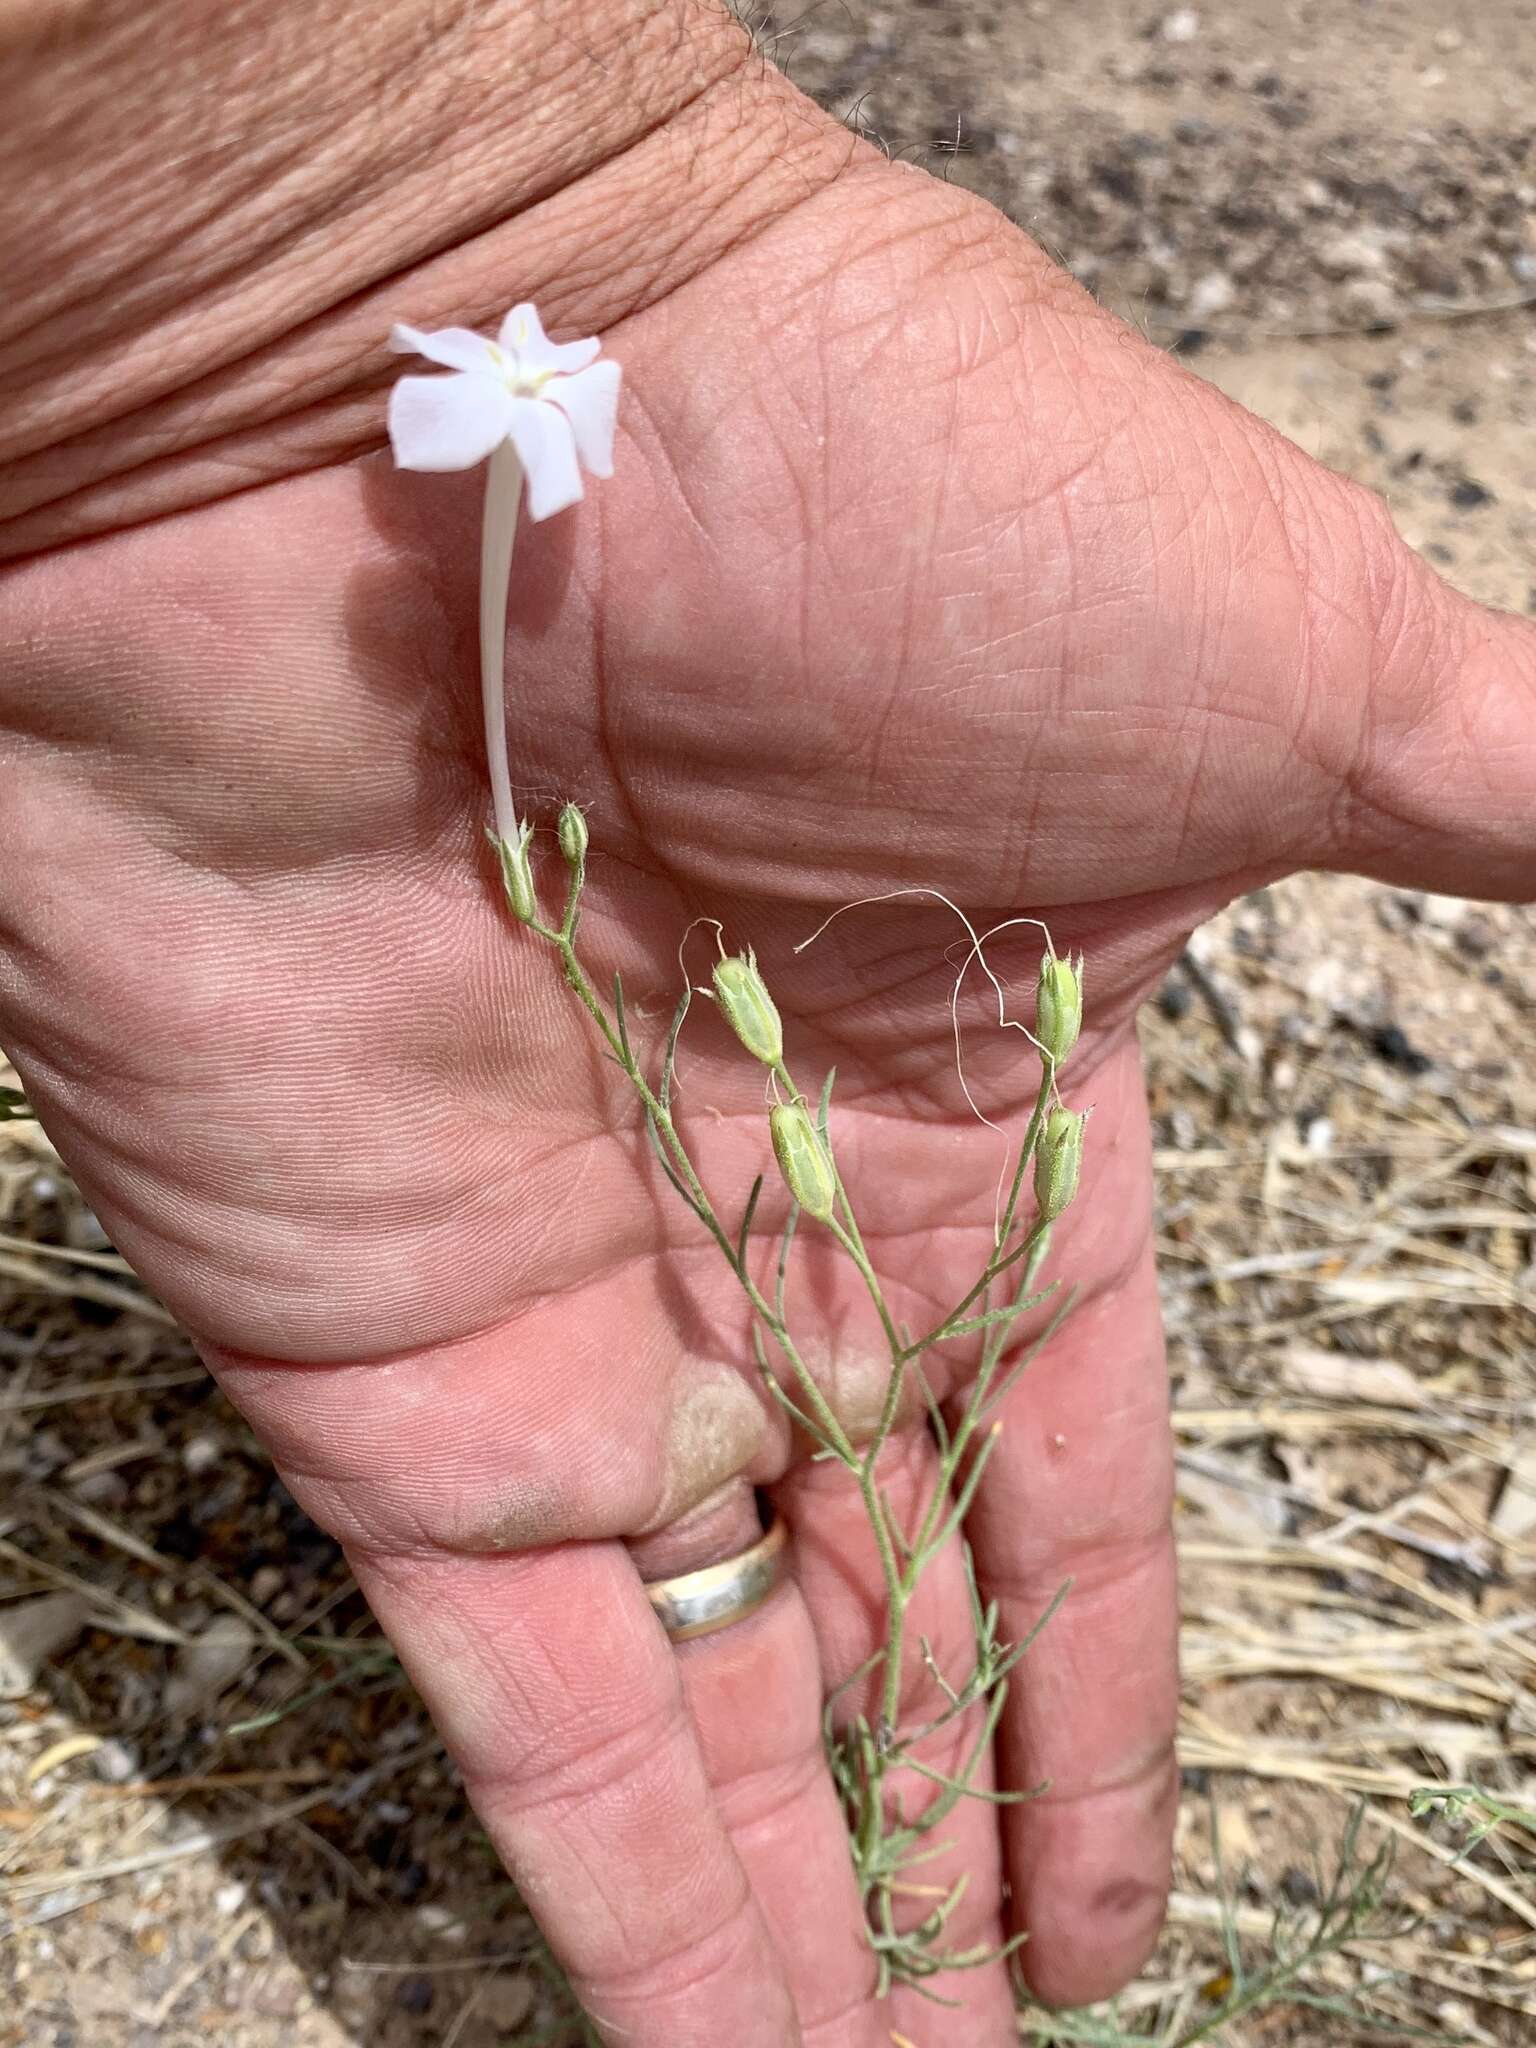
840,1573
559,1696
1079,1489
459,1447
754,1692
1420,702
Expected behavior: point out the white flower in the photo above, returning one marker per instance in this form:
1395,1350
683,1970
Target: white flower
541,411
552,401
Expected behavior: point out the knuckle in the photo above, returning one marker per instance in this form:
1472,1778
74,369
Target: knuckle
582,1762
684,1969
1146,1776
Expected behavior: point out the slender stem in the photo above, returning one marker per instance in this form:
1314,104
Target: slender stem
662,1118
853,1245
1005,1226
503,491
849,1237
1026,1150
886,1847
898,1592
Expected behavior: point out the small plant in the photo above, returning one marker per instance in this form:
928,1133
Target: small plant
1352,1906
1469,1806
538,413
867,1752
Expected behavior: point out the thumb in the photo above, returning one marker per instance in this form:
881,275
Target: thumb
1438,774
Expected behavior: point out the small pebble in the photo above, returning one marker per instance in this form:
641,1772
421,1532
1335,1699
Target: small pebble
1213,293
202,1668
506,2001
266,1584
101,1489
1298,1888
200,1454
1468,496
1390,1043
1182,26
32,1632
117,1762
1476,937
84,1230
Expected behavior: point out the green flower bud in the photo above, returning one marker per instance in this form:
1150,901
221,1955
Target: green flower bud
517,874
749,1009
1059,1005
1058,1162
803,1159
573,838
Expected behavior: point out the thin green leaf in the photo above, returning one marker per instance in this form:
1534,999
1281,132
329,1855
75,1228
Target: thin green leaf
1229,1942
667,1167
894,1530
354,1674
620,1019
993,1318
984,1957
855,1677
669,1050
936,1421
1026,1643
790,1223
958,1789
1026,1359
823,1112
986,1793
785,1399
746,1223
963,1500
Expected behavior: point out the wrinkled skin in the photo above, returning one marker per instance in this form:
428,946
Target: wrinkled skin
916,570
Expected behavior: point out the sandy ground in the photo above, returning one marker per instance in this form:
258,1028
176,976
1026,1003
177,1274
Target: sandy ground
1330,211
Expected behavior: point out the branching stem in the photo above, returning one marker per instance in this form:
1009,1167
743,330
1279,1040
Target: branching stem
865,1757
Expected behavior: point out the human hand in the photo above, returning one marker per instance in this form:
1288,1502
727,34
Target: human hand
916,571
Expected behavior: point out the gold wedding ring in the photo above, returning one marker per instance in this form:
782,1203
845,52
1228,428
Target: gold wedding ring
698,1603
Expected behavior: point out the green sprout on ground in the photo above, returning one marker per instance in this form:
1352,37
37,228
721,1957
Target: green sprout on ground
1480,1812
870,1752
1352,1906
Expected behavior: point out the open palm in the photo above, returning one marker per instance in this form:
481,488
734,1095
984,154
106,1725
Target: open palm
917,572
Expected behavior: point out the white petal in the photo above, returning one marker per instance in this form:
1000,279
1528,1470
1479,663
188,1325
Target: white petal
590,401
456,348
447,422
522,334
542,436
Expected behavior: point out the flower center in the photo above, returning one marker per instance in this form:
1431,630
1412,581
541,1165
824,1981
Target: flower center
520,382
